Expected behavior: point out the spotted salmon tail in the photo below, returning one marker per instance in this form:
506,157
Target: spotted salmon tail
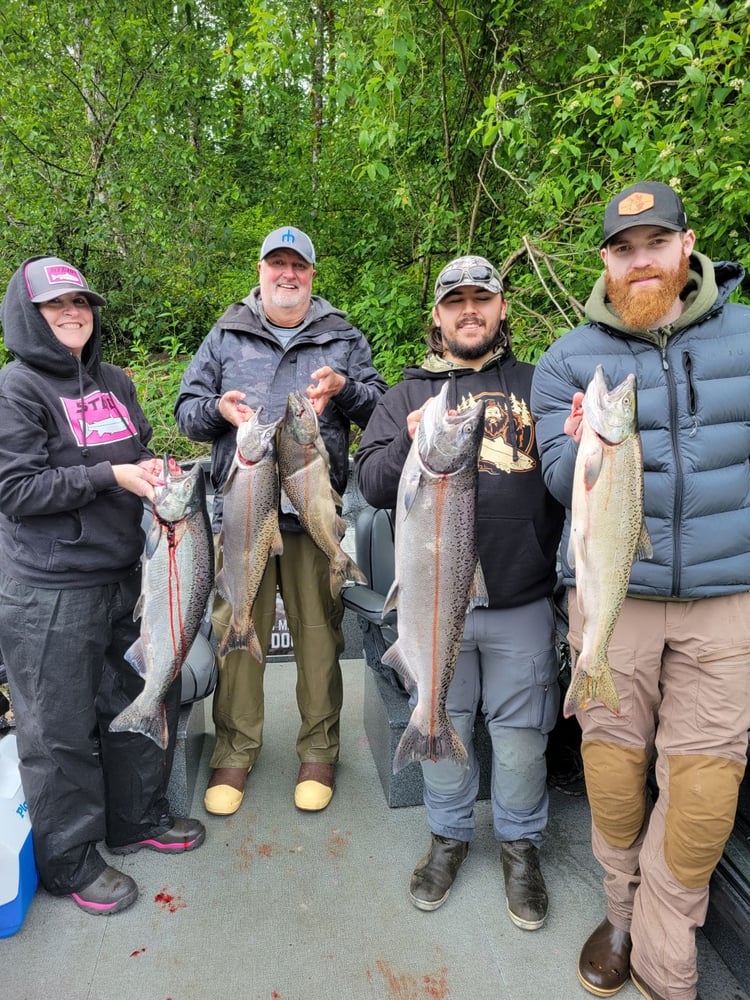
584,689
134,719
445,744
235,639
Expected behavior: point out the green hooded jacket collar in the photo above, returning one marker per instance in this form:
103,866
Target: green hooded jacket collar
434,363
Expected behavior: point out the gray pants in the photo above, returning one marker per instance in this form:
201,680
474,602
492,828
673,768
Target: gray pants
508,666
63,650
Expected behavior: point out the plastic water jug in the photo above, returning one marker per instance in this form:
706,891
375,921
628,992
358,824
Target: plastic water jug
18,874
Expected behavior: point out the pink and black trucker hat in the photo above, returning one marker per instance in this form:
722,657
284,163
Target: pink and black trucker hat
48,277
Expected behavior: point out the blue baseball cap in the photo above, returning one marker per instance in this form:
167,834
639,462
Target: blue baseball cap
289,238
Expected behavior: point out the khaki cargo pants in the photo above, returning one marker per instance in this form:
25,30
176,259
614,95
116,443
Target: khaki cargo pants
682,671
314,618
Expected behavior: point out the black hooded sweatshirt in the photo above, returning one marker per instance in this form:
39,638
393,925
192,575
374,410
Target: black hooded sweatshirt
64,422
519,523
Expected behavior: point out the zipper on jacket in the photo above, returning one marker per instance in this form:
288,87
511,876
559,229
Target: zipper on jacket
692,397
677,506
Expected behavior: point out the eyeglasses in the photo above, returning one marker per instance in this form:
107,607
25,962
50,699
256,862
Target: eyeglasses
477,272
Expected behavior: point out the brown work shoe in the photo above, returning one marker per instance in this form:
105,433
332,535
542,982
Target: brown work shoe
225,790
314,788
525,891
436,871
604,963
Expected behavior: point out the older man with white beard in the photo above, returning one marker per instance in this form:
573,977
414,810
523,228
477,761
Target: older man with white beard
680,652
279,339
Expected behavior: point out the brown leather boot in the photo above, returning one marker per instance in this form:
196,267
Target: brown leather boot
435,872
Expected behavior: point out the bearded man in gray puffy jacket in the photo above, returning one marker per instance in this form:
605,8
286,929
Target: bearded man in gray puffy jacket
680,651
281,338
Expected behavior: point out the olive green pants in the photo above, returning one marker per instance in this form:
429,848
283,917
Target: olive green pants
302,576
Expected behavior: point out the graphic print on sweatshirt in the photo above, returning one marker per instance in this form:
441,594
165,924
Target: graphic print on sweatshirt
496,455
99,418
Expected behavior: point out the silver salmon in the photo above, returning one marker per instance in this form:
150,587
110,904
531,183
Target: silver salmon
438,578
608,530
249,529
304,468
178,577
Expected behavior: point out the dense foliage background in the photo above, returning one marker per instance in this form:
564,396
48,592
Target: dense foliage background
155,144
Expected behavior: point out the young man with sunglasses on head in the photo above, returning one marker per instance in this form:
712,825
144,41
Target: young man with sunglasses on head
507,662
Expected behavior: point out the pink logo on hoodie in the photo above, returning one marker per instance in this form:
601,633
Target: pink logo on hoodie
98,418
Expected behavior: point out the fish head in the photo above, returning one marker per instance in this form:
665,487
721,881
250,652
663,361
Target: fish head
300,420
254,439
611,413
449,442
181,495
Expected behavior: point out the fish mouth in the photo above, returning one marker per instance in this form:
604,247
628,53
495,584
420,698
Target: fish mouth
611,413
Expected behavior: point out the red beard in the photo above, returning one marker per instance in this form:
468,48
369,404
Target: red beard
642,308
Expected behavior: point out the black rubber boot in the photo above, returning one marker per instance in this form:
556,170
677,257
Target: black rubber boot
433,877
525,891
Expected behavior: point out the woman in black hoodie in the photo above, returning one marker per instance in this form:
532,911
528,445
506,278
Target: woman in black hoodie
74,467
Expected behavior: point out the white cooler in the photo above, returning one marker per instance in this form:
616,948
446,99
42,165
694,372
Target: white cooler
18,875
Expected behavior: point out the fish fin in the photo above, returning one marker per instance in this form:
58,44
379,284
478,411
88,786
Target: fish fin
138,609
445,744
152,539
221,586
135,655
571,552
344,570
152,724
339,527
236,639
394,658
391,600
592,467
320,447
277,545
578,693
478,596
230,479
583,688
410,484
645,549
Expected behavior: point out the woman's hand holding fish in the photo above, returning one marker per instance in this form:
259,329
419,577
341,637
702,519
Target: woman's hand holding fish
572,425
136,479
231,407
156,467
